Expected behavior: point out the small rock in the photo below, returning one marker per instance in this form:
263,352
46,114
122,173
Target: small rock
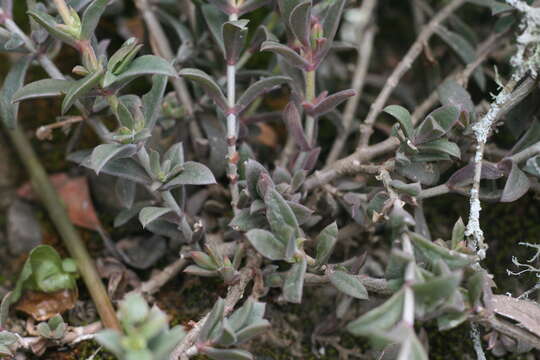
23,228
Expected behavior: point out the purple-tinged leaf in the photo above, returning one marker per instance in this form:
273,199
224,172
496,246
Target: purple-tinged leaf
200,271
292,119
208,84
224,6
516,185
286,7
330,25
453,94
264,184
233,34
43,88
12,83
288,54
259,87
293,285
91,17
465,175
300,22
330,102
311,159
261,35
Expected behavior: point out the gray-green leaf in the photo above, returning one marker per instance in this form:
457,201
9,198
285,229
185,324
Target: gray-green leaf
151,213
348,284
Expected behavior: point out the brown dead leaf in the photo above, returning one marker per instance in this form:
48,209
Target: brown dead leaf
43,306
75,195
267,136
526,313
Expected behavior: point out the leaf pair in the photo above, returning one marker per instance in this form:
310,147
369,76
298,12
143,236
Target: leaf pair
212,89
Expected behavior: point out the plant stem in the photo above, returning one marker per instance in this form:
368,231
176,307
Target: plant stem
310,95
232,155
408,302
69,234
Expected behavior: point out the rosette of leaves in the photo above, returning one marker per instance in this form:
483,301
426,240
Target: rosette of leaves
271,218
45,271
214,263
146,333
219,334
7,339
53,329
425,144
444,285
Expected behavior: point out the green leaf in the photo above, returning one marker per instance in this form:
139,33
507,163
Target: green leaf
164,344
380,319
245,221
348,284
253,329
50,24
288,54
151,213
104,153
80,88
279,213
436,124
266,244
412,189
532,166
326,241
110,340
293,286
226,354
214,319
434,291
7,338
443,146
43,88
234,34
256,89
432,253
475,287
253,173
91,17
403,116
464,49
152,100
193,173
411,349
453,94
300,22
227,336
397,265
12,83
4,309
215,20
330,25
144,65
458,233
451,320
208,84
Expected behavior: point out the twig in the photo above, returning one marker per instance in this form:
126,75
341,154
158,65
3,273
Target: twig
365,47
367,127
234,294
158,280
